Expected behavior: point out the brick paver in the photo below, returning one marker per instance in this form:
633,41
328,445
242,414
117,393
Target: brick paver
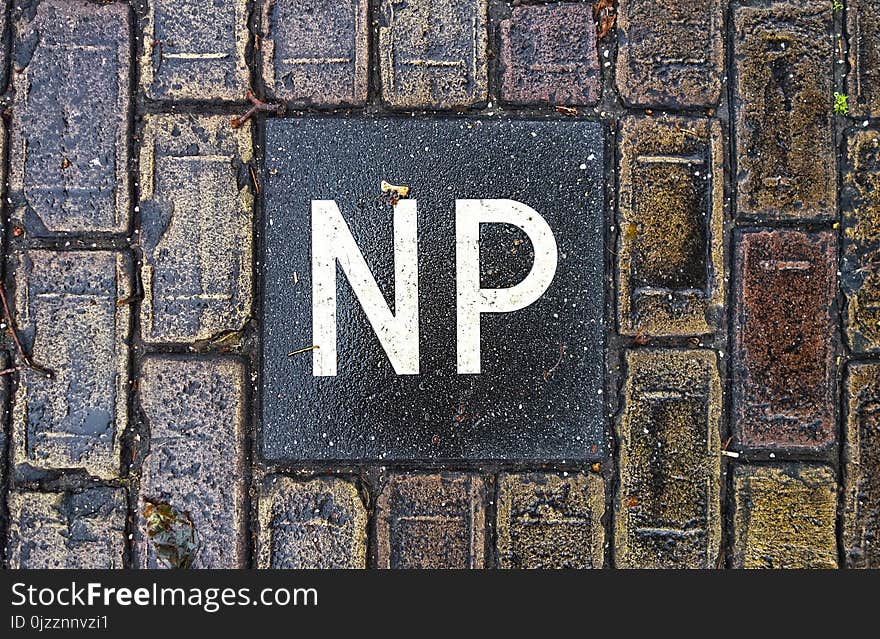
70,317
862,473
321,523
79,529
550,521
667,509
301,64
549,55
196,453
196,227
68,163
195,50
433,54
860,279
670,257
785,516
670,53
687,157
431,521
784,363
863,82
784,62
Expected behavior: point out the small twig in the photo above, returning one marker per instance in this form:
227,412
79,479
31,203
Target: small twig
303,350
10,371
24,357
256,105
254,180
547,374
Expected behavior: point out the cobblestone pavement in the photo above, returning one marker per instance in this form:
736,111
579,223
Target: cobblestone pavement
742,401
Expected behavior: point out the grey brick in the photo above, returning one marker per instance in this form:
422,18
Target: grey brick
315,51
548,521
196,456
784,62
431,521
670,53
320,523
432,53
195,50
70,321
70,126
667,509
670,257
197,229
83,529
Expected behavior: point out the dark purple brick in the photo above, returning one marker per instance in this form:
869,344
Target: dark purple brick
548,53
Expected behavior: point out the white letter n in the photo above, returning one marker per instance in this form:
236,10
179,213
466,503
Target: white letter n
398,332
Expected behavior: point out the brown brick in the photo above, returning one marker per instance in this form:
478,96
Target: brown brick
863,81
197,229
69,319
68,168
432,53
784,63
670,53
548,53
860,280
320,523
784,339
83,529
861,529
195,50
784,517
196,456
670,257
667,510
431,521
548,521
315,51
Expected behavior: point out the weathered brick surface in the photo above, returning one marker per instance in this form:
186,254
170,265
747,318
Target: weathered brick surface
548,521
431,521
433,54
784,517
670,257
863,81
548,53
302,64
321,523
5,363
4,39
861,536
196,456
196,219
784,339
860,279
195,50
784,62
69,138
667,509
670,53
82,529
69,319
